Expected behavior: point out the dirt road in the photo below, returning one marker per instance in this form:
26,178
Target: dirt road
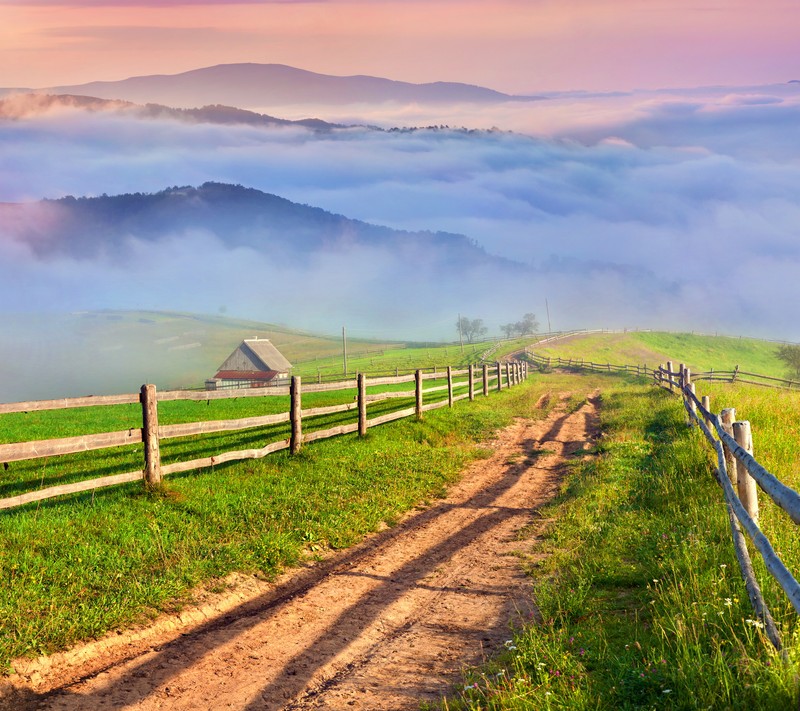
384,625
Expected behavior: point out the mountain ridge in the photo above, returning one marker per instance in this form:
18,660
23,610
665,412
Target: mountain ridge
25,105
248,85
240,217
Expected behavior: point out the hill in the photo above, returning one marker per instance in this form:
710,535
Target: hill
257,85
699,352
89,227
26,105
105,352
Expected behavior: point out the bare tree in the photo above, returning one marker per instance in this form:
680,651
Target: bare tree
471,328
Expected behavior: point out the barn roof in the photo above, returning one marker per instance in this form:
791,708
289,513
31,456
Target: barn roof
246,375
270,356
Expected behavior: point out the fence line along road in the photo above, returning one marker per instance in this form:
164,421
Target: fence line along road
499,376
736,467
737,471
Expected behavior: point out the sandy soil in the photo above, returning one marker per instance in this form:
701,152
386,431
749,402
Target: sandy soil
385,625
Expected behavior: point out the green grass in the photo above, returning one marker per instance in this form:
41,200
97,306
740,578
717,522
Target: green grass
700,353
77,567
19,477
407,358
641,602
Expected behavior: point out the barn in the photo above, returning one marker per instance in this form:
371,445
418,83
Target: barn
256,363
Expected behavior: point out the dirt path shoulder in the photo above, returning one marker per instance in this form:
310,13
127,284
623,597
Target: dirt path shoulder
384,625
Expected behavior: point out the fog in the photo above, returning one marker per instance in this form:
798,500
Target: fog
655,209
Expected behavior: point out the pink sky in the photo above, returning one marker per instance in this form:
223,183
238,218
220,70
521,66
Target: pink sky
511,45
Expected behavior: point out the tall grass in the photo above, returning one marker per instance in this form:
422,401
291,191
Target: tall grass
641,602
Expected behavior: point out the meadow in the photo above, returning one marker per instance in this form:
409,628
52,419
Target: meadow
640,599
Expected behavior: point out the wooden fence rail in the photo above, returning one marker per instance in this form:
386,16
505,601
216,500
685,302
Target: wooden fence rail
151,433
736,469
736,466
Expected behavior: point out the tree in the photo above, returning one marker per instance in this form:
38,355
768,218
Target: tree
528,325
525,327
507,329
471,329
790,354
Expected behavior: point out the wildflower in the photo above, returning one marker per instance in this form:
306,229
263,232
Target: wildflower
723,566
728,602
582,652
667,691
758,624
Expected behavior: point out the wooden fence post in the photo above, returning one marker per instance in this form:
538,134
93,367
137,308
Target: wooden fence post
450,385
471,376
681,375
669,376
152,453
362,405
295,415
692,405
485,379
508,374
499,376
726,418
418,393
706,402
748,490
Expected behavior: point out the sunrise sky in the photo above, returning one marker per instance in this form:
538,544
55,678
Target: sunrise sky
511,45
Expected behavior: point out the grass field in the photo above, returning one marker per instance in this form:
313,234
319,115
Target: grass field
76,567
410,357
641,600
700,353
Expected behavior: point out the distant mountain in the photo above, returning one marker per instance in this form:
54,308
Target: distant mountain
261,85
20,106
89,228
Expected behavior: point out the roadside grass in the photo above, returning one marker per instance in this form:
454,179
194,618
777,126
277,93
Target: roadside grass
641,604
77,567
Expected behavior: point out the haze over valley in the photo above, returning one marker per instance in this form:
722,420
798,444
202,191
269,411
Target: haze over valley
622,210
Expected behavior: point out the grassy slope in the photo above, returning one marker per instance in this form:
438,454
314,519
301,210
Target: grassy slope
641,601
61,562
116,351
700,353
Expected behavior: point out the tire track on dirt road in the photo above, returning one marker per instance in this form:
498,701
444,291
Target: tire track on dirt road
384,625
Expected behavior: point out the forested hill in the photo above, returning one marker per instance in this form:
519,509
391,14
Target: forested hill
237,216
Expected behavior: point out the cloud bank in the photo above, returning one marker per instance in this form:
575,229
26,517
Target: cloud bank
642,210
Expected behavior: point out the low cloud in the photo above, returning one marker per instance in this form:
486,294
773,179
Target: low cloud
652,210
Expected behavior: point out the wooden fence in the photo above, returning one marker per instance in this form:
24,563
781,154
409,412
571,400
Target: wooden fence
740,474
487,378
737,471
581,364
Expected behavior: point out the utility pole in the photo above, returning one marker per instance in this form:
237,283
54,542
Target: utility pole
460,334
547,307
344,349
